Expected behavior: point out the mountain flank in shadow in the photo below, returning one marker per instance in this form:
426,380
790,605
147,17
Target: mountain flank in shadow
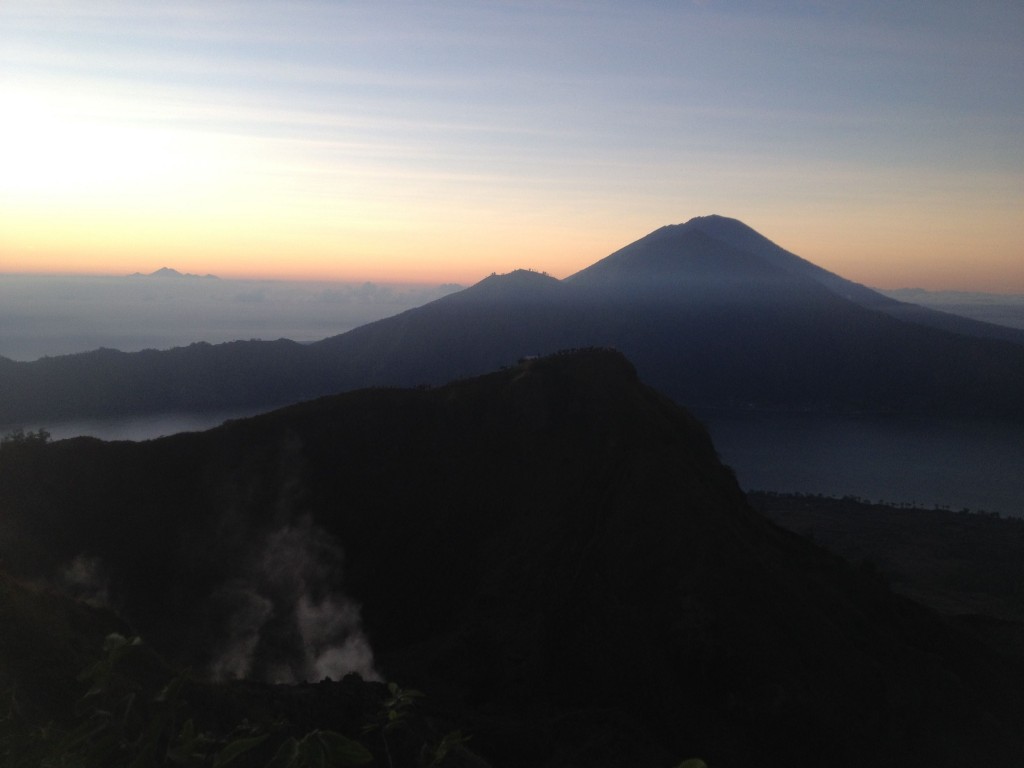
552,551
710,312
739,235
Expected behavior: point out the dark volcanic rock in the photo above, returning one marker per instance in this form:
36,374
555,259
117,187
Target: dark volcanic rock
553,552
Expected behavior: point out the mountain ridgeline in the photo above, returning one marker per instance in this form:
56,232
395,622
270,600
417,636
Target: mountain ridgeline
711,313
553,552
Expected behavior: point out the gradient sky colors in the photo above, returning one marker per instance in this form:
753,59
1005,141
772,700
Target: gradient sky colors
443,141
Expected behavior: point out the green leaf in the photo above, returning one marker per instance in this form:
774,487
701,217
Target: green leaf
113,642
692,763
93,670
146,756
342,751
188,732
171,691
450,741
287,755
188,746
311,752
236,748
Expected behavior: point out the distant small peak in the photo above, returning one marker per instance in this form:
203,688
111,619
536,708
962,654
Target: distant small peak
711,224
517,284
521,274
518,277
170,272
714,220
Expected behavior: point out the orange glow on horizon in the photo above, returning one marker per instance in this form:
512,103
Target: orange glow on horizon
888,269
344,142
896,252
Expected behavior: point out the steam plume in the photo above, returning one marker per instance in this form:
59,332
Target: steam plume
288,619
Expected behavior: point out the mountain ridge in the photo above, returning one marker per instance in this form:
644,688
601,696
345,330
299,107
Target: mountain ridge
819,351
711,323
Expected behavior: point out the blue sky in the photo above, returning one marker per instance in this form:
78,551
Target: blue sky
443,141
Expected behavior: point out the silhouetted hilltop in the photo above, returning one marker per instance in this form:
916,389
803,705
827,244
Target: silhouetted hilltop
488,325
677,253
171,272
709,311
516,285
552,551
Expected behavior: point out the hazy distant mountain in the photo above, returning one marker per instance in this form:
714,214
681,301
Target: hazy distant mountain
710,312
552,551
169,272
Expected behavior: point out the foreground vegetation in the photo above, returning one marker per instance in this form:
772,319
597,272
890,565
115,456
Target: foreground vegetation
123,720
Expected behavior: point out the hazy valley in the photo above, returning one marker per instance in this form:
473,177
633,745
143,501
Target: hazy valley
47,315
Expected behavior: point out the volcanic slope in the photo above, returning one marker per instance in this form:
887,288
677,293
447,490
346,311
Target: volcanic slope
708,323
739,235
553,552
710,312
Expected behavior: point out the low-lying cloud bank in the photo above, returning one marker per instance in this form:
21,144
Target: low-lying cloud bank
48,315
999,308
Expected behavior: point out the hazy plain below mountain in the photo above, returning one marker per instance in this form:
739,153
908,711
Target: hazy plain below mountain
48,315
998,308
552,551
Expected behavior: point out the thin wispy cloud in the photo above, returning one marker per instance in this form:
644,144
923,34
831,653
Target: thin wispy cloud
410,115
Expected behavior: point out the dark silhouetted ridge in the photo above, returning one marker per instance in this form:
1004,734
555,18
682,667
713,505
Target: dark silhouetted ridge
520,283
552,551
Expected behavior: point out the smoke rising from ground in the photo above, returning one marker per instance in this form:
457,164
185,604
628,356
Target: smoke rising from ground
249,612
287,620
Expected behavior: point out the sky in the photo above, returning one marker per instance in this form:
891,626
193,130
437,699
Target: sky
443,141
